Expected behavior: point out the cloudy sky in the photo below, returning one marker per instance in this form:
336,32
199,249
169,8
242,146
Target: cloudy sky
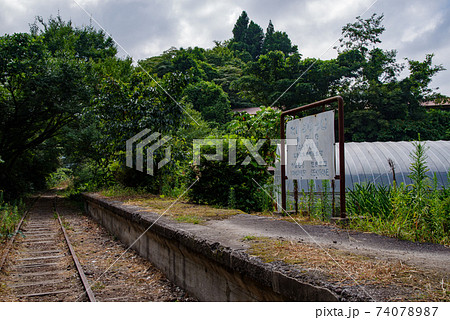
146,28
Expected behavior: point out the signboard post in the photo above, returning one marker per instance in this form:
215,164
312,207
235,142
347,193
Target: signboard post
311,158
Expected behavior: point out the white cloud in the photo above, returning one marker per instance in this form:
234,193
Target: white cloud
325,11
426,20
413,32
148,27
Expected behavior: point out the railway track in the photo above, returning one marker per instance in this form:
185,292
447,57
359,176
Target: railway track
43,265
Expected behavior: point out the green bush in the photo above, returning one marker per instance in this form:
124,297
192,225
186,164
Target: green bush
60,178
223,184
369,199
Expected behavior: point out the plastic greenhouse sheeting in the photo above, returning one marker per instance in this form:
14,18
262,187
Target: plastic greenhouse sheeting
367,162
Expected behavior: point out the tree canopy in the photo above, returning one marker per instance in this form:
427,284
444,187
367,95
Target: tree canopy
67,100
46,80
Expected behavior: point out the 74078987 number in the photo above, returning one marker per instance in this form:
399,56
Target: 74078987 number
407,311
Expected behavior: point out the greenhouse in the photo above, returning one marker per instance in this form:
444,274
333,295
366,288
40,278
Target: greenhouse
369,162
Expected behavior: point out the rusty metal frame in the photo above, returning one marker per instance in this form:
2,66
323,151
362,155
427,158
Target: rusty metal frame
341,175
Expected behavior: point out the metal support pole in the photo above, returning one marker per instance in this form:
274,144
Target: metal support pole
296,196
333,200
283,166
341,157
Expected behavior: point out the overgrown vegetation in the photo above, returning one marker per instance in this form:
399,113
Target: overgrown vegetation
69,104
418,212
176,209
10,215
60,179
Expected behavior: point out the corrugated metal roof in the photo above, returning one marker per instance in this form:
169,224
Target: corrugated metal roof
367,162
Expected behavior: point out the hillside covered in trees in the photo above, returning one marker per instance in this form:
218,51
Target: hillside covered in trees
68,101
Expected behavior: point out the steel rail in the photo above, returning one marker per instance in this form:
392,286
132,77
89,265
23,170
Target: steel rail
80,271
83,278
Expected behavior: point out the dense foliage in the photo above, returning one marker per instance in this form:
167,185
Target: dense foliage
220,183
67,101
46,80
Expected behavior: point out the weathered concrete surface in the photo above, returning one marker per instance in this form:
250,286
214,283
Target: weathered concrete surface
210,260
191,257
422,255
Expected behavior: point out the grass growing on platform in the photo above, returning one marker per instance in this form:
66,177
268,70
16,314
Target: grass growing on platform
180,210
348,269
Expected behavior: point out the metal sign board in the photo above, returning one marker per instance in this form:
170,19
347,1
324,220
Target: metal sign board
313,156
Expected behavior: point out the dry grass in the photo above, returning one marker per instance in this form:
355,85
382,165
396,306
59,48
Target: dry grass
344,268
180,211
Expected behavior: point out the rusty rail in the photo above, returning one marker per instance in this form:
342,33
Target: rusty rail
83,278
80,271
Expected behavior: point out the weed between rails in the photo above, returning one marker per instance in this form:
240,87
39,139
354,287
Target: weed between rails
10,215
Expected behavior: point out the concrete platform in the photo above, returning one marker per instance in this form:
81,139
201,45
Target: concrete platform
210,261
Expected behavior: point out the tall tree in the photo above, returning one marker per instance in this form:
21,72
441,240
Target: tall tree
247,37
380,106
363,34
277,40
270,30
265,81
61,37
40,94
254,39
240,28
